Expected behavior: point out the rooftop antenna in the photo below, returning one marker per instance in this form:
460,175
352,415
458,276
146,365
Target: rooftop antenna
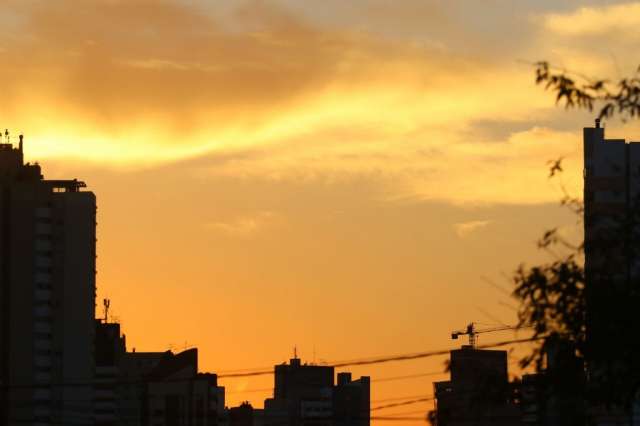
597,123
20,146
106,303
295,352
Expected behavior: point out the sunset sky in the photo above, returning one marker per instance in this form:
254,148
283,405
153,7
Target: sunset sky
346,177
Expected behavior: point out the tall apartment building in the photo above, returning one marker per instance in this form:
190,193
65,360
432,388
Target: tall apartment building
611,189
611,229
47,293
612,255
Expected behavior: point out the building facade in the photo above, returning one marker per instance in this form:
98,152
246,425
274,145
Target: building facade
612,267
110,348
151,388
177,395
479,392
306,395
611,226
47,293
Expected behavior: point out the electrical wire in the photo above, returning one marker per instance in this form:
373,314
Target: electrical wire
380,380
402,404
408,376
351,363
386,359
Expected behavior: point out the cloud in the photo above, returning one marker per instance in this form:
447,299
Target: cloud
619,19
463,229
172,81
422,164
244,226
590,42
263,91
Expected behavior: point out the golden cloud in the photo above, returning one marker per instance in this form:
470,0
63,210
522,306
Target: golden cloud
463,229
619,19
134,81
243,226
266,93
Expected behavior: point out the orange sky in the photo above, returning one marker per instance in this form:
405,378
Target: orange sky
339,176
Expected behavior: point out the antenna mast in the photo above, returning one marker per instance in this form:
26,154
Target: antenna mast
106,303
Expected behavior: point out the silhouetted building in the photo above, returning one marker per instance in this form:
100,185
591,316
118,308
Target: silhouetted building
612,263
110,349
245,415
611,190
479,392
351,402
533,400
151,388
134,368
47,292
306,395
551,397
58,364
177,395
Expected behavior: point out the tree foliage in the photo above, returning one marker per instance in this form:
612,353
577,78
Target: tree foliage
575,90
587,347
552,303
587,320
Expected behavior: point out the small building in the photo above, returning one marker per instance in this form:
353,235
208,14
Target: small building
306,395
351,401
134,368
151,388
479,392
242,415
176,394
110,348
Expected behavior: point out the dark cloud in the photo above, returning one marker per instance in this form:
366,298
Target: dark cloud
120,61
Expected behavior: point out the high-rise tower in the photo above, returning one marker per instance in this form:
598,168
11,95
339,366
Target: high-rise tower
612,264
47,295
611,190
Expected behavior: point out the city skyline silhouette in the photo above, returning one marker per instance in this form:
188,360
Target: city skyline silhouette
353,180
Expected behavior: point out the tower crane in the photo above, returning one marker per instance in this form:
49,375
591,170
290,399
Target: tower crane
473,332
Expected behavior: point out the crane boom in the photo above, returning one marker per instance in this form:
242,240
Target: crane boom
473,332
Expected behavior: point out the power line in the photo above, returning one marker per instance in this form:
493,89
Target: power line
243,370
404,413
400,398
385,379
419,355
402,404
356,362
382,379
77,419
248,391
399,419
386,359
408,376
